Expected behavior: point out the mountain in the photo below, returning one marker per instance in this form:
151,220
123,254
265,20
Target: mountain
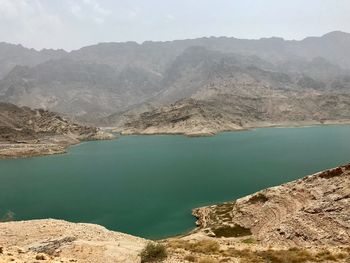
27,132
78,88
12,55
106,83
157,55
217,91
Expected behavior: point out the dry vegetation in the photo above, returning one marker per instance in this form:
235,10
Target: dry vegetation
210,251
202,246
292,255
153,252
231,231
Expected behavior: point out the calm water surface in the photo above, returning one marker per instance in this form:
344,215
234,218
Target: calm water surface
147,185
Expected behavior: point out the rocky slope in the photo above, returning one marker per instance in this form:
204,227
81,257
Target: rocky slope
95,82
26,132
303,221
226,92
230,112
312,211
12,55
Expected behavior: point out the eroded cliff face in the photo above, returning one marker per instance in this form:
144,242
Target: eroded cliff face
25,132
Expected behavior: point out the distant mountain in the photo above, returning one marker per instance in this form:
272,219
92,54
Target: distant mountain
104,83
78,88
227,92
12,55
333,46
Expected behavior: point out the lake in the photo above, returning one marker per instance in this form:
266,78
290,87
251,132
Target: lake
147,185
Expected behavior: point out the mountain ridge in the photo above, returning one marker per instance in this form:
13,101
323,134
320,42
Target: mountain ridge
96,82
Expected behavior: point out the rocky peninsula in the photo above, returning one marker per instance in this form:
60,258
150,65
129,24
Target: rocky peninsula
25,132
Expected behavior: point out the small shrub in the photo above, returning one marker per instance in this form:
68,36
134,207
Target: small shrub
249,241
207,260
292,255
341,256
203,246
331,173
232,231
258,198
190,258
153,252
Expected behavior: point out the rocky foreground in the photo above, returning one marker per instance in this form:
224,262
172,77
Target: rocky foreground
25,132
60,241
307,220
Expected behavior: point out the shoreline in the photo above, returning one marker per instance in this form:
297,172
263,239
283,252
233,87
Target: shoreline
32,150
14,151
196,211
244,128
279,218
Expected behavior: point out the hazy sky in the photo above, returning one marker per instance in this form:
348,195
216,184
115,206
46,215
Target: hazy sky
71,24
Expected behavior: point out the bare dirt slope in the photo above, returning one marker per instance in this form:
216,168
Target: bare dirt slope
313,211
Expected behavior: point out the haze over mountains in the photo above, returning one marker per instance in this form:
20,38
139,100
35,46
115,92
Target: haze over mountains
215,83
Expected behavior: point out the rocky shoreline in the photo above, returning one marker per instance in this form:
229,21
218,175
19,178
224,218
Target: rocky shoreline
314,210
50,146
206,132
25,132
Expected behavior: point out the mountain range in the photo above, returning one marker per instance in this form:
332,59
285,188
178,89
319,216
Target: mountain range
186,86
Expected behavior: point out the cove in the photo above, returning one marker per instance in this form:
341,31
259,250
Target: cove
147,185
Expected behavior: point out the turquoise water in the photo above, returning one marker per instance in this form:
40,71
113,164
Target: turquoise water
147,185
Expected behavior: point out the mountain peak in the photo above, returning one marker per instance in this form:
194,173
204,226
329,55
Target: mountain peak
336,34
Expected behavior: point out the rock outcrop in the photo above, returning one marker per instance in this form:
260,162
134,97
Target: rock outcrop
60,241
25,132
312,211
231,112
190,117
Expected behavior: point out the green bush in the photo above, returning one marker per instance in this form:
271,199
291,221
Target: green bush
232,231
249,241
153,252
